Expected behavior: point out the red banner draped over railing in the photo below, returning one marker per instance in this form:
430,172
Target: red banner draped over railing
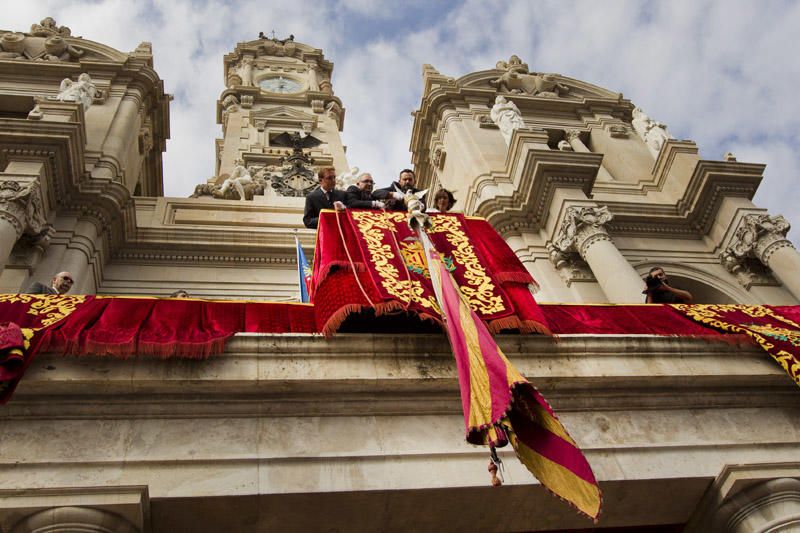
370,259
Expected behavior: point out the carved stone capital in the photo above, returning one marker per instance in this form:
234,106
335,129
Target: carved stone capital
571,135
758,236
581,227
22,207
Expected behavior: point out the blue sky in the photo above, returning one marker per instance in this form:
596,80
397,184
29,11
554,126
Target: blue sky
722,74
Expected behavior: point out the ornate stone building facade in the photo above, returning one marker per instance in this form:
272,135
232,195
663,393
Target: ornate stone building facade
362,432
591,192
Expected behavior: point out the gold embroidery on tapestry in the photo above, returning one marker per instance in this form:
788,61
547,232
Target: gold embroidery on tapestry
480,290
54,308
709,314
373,226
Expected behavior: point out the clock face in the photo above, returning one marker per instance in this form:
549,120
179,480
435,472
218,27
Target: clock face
280,85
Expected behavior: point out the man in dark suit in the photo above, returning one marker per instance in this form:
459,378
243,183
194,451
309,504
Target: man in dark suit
360,195
326,197
394,199
60,284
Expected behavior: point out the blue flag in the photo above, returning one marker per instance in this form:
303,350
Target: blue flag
303,271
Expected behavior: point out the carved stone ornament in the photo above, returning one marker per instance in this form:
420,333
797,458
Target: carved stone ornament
564,146
48,27
145,140
439,158
22,207
485,121
45,42
507,116
581,226
653,133
729,157
618,131
259,181
334,110
12,46
518,80
83,91
295,178
758,236
278,47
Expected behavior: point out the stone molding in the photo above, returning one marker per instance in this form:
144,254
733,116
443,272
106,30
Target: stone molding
770,506
83,519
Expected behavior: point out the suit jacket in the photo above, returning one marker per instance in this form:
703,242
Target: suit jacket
38,288
358,198
316,202
386,196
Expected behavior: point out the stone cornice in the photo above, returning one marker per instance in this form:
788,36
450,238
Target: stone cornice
306,375
533,176
693,214
69,189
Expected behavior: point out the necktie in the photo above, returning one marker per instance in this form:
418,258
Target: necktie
329,196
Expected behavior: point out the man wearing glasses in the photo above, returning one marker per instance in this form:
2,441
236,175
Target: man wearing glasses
61,284
360,195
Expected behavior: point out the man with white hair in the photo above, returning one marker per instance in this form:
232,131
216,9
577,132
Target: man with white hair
359,196
61,284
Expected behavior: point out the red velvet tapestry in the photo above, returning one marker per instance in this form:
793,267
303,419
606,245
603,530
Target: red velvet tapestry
28,318
124,327
369,259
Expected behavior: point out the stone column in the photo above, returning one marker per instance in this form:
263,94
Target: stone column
763,237
78,254
583,232
574,140
21,211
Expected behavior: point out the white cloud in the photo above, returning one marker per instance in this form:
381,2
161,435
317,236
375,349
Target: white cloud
720,73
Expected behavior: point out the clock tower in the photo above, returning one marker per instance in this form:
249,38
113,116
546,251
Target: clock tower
276,86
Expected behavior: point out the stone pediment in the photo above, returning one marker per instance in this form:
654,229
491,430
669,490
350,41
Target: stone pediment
540,84
16,46
283,116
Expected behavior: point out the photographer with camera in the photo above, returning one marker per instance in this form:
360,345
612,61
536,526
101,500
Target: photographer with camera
658,290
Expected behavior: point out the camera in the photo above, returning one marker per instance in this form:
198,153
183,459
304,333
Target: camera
652,283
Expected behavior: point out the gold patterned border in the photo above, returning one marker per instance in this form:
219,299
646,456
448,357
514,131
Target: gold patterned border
52,307
710,314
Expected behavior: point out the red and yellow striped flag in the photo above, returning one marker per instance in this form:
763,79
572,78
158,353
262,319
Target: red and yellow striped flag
501,406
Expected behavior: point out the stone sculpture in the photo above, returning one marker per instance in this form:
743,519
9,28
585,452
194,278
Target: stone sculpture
12,46
653,133
82,91
48,27
507,116
237,179
518,80
57,49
